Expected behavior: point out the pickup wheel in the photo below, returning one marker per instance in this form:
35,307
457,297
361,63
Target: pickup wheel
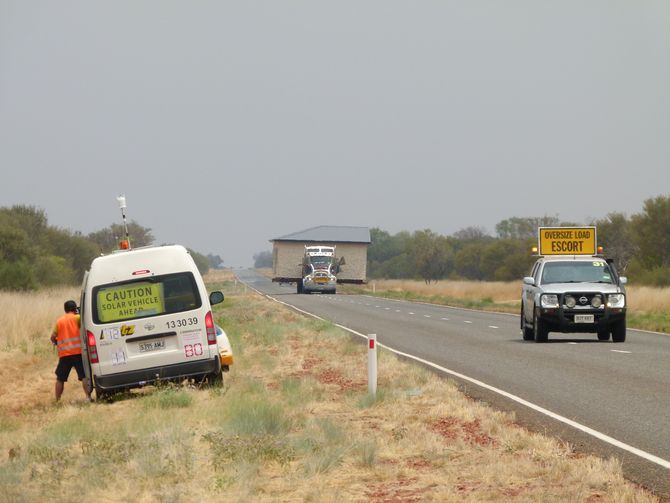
604,335
540,331
619,331
527,332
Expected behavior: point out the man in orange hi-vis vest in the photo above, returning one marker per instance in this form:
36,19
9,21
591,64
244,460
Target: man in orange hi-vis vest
66,337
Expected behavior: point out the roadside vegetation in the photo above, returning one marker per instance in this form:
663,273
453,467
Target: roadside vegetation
292,422
639,245
35,255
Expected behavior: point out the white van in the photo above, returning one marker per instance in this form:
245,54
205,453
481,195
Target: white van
146,317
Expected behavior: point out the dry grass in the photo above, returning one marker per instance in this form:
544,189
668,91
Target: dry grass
648,299
293,423
497,291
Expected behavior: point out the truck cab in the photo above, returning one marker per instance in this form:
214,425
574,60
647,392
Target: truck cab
319,269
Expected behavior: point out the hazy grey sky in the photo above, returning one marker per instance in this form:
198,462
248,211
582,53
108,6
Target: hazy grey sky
226,124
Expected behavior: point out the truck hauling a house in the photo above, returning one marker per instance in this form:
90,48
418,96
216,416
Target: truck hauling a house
320,270
314,259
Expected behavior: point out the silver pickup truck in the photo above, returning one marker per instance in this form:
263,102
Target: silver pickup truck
573,294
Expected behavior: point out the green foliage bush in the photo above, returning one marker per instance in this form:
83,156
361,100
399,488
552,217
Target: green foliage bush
639,247
35,255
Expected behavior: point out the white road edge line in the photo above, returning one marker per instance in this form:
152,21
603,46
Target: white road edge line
589,431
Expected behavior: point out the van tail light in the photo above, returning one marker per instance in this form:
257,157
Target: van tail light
92,348
211,329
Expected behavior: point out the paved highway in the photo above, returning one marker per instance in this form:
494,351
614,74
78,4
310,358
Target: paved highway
606,398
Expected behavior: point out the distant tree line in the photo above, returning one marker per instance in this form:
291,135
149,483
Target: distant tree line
34,254
263,259
639,246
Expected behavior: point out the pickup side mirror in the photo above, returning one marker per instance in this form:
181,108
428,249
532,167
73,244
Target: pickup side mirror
623,280
215,297
529,280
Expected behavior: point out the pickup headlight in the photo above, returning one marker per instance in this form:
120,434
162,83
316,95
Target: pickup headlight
549,300
616,300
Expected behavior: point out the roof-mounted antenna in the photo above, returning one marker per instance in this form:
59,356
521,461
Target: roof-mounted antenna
125,243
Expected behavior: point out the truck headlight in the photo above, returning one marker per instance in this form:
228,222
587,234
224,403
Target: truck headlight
549,300
616,300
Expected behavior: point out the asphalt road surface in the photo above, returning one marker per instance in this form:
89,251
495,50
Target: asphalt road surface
603,398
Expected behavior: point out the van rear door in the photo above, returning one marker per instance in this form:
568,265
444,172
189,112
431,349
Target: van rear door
149,322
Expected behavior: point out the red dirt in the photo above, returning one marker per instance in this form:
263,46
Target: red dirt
396,492
451,428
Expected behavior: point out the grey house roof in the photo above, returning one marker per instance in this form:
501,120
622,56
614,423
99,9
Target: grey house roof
329,234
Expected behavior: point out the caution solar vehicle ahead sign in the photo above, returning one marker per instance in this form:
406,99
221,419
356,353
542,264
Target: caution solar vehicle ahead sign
567,241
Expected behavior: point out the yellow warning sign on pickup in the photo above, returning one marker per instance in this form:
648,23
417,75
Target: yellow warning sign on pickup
567,240
129,301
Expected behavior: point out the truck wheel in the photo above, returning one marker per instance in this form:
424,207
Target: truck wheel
299,286
540,331
619,331
528,334
603,335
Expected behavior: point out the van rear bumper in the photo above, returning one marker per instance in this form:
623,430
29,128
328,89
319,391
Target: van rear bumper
138,378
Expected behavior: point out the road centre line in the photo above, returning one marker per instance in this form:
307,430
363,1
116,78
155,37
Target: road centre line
493,326
621,351
467,321
574,424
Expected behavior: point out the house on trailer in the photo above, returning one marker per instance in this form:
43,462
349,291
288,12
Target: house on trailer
351,248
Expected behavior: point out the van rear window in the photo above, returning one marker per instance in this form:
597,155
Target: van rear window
142,298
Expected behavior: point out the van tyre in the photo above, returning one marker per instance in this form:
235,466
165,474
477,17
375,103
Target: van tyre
215,379
619,331
101,395
540,330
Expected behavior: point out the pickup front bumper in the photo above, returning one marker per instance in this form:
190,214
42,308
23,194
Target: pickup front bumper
562,319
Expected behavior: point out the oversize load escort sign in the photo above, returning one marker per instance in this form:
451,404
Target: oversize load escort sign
567,240
130,301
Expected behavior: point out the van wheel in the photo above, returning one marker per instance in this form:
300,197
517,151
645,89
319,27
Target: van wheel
101,395
215,379
619,331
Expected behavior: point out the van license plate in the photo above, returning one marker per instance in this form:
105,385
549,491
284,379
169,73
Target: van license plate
584,318
152,345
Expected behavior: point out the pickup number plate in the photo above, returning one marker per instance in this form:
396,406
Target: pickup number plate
152,345
584,318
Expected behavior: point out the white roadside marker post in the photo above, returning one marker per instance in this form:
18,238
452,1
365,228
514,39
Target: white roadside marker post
372,364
